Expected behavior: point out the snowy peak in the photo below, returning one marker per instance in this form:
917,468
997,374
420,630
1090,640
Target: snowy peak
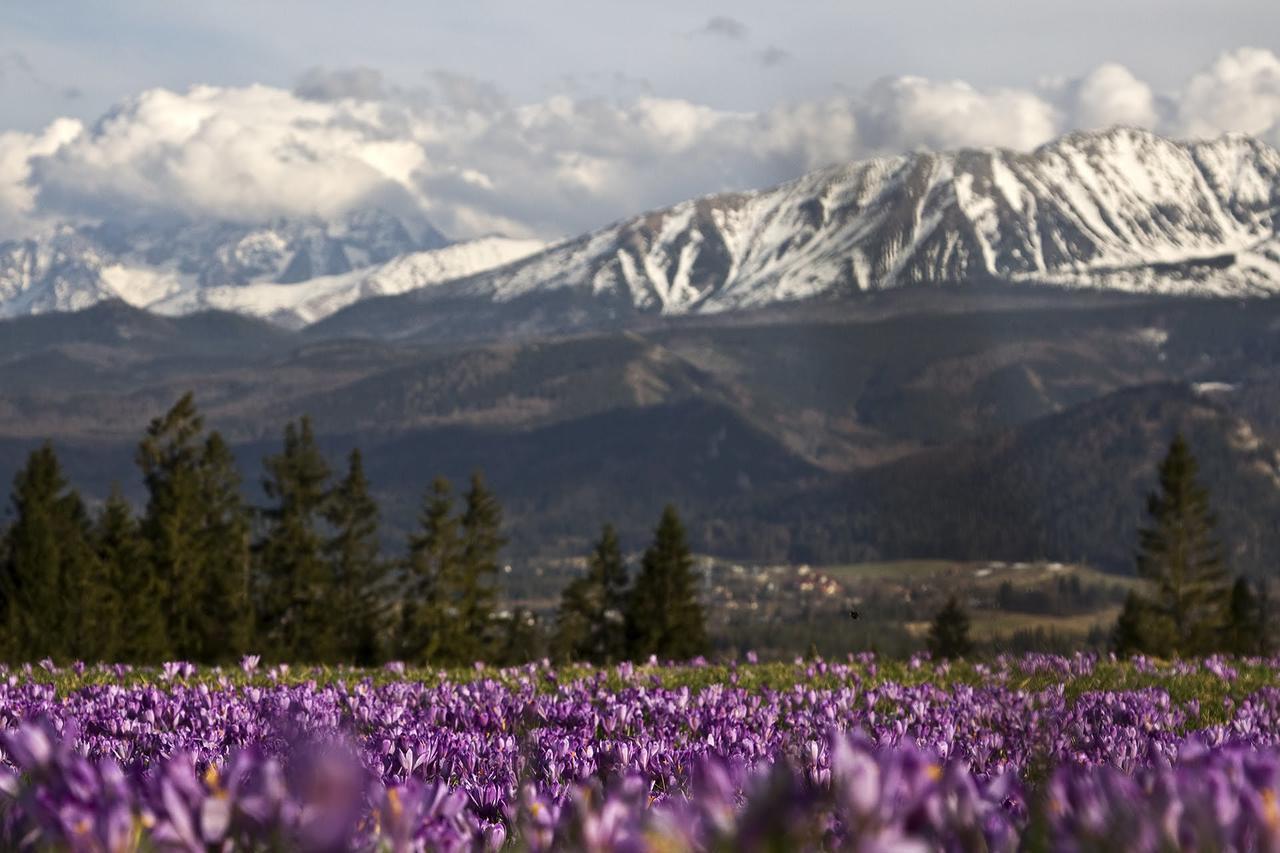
298,304
72,268
1118,209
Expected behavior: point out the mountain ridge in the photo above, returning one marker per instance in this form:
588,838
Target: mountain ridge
1116,210
1121,209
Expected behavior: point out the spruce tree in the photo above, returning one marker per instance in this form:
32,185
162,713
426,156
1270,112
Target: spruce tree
86,595
169,457
295,608
355,565
1131,633
195,528
1180,559
427,616
49,569
1243,628
949,633
225,627
571,637
520,640
664,616
118,541
590,621
475,592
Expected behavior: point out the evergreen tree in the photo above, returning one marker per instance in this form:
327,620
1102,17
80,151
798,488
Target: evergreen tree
949,633
225,627
1266,633
140,624
1243,629
1131,633
86,593
571,637
294,611
169,457
590,621
49,570
356,567
196,533
1180,559
102,607
521,640
663,615
474,592
427,618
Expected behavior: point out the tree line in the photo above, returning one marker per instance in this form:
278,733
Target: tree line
200,575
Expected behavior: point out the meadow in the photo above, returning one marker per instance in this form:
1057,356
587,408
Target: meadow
1017,752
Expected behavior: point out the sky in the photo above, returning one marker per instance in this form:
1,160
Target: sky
550,118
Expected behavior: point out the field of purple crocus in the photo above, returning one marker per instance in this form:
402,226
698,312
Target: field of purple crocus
1032,752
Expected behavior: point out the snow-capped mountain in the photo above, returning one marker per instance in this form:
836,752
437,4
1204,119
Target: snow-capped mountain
299,304
1121,209
74,267
1118,209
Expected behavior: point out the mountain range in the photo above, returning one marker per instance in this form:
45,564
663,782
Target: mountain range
978,354
1121,209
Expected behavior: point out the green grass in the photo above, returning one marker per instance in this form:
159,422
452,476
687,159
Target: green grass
1216,695
998,624
895,570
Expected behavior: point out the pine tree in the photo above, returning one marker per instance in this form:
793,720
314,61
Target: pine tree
427,618
949,633
295,608
590,621
1266,633
1243,628
140,628
475,592
49,568
520,641
86,594
169,457
571,638
1180,559
1131,633
196,533
356,567
225,627
663,615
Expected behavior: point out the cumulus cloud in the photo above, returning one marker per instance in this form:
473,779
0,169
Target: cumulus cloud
1240,91
244,154
724,27
910,112
18,212
458,151
1110,95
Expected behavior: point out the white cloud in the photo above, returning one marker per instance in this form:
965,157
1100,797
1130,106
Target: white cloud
18,213
1110,95
461,153
909,112
244,154
1239,91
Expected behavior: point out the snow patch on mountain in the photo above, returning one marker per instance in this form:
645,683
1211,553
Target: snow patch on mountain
299,304
1122,209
